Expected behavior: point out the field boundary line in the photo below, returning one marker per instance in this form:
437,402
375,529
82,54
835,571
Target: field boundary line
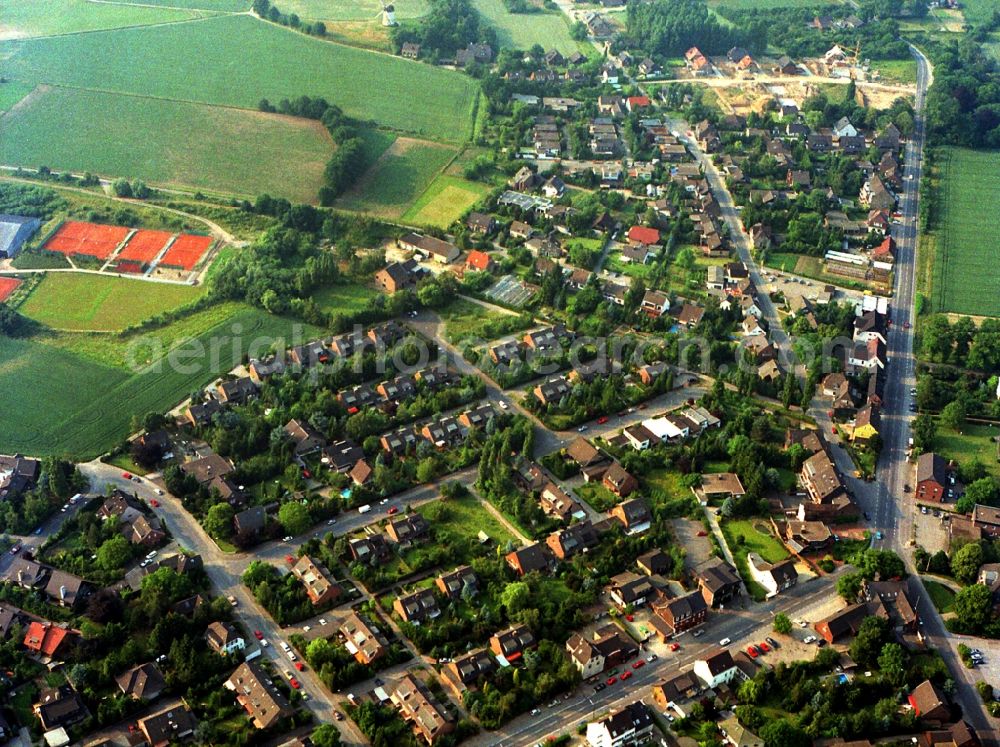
198,18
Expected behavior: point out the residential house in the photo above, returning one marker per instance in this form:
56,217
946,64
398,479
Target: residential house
774,578
721,485
48,640
397,276
634,515
533,557
619,481
224,638
552,390
320,586
681,613
930,703
144,682
609,647
59,707
510,644
932,478
255,691
842,624
867,423
438,250
717,669
803,537
372,549
207,468
417,606
454,583
631,725
629,589
408,530
236,391
480,261
820,478
572,540
718,582
554,501
250,521
362,639
67,590
419,708
467,670
168,727
654,562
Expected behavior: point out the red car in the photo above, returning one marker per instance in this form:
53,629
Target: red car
258,635
290,560
752,650
154,503
625,675
294,683
702,533
611,680
602,420
392,510
127,475
638,664
906,325
675,646
300,666
630,617
306,474
764,648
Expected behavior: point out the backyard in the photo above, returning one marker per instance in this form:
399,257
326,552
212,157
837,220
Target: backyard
744,536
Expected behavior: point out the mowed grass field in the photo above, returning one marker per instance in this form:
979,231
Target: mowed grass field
23,18
59,402
345,298
170,143
965,268
72,301
237,60
397,178
444,201
523,30
11,93
350,10
214,5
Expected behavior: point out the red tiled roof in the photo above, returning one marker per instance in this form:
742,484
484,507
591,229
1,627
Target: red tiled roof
45,638
644,235
634,101
479,260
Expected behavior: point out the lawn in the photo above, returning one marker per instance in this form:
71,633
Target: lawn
345,298
903,72
11,93
597,496
397,178
941,596
170,143
464,320
86,406
742,536
444,201
24,18
523,30
964,278
973,443
351,10
631,269
214,5
463,518
237,60
72,301
668,482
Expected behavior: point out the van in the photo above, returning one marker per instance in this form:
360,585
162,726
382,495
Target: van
285,647
364,509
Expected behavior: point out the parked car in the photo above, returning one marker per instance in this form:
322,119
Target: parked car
772,642
752,650
725,641
258,635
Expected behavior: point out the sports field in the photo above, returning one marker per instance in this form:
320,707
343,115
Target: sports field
168,143
523,30
89,239
965,275
11,93
7,286
186,251
144,245
351,10
444,201
72,301
22,18
237,60
397,178
87,402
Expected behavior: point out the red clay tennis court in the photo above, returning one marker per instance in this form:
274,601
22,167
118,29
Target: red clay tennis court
8,286
91,239
129,266
186,250
144,246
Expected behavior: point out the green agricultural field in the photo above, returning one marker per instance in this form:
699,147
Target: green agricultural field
24,18
11,93
85,407
964,278
978,12
351,10
444,201
71,301
232,6
902,72
397,178
237,60
346,298
169,143
523,30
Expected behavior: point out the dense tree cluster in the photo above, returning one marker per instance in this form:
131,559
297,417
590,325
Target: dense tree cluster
963,103
448,26
670,28
269,12
27,200
22,512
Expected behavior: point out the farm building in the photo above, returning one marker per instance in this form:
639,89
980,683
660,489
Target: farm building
14,231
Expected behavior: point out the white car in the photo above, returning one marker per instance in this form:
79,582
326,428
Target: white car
725,641
151,554
322,621
306,628
264,643
287,538
809,639
503,404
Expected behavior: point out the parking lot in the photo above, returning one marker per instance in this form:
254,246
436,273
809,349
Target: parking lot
691,535
930,531
511,291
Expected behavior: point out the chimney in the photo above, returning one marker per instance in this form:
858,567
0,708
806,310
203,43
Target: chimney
20,577
62,592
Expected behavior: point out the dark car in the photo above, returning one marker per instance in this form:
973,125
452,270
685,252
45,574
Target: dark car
599,686
867,517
